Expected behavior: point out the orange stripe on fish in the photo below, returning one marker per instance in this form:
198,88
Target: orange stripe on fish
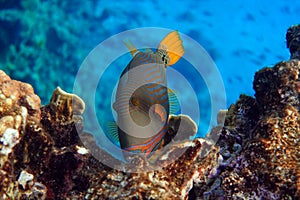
149,145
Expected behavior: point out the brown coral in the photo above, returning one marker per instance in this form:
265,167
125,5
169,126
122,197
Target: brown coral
51,162
172,182
293,41
260,141
19,111
35,144
259,144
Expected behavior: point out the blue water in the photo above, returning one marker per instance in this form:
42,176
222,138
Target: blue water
44,43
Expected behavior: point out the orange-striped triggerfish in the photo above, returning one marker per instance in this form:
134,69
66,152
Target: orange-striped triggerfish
143,99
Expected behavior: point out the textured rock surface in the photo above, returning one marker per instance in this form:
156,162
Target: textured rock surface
38,146
42,156
172,182
293,41
256,157
260,142
19,115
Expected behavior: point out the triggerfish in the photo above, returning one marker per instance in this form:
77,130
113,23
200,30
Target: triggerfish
143,101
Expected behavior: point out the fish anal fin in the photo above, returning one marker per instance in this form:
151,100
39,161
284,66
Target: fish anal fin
172,44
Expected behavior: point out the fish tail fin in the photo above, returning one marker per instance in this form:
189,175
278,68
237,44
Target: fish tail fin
172,44
130,46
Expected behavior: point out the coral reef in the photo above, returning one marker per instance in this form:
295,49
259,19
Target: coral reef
293,41
260,157
259,142
256,155
19,164
32,157
42,156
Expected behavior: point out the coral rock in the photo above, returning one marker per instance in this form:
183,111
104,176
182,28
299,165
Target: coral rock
259,145
19,110
293,41
174,181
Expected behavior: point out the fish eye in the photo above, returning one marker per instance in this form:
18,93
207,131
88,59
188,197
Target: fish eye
164,58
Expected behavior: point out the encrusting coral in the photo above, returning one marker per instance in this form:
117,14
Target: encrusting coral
256,155
261,139
19,114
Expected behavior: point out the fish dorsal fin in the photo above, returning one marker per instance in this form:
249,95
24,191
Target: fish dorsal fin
111,130
172,45
130,46
174,102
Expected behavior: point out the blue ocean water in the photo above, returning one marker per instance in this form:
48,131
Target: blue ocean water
44,43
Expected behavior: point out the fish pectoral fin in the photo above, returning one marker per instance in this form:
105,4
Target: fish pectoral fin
172,44
130,46
174,102
111,130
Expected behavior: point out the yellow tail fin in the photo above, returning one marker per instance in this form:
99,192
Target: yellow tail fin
173,46
133,50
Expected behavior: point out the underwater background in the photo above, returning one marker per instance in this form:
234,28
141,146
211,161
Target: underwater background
45,42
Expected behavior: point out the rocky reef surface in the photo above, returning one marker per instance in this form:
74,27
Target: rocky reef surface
257,155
